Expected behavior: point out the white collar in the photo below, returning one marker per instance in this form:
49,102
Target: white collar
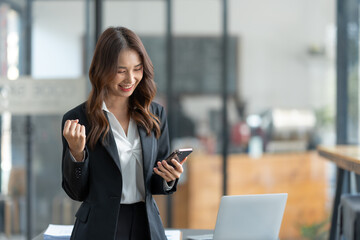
104,107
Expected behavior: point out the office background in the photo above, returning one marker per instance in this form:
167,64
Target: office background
277,84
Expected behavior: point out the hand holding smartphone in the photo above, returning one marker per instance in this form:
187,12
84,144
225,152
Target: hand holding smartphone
179,155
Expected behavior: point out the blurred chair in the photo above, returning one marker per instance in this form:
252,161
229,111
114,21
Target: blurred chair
349,218
5,215
12,207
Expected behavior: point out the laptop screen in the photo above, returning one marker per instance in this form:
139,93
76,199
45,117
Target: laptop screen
250,217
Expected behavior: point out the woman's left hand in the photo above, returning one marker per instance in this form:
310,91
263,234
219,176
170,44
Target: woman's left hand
168,172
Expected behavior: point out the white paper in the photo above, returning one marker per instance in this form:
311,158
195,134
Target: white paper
59,230
201,237
173,234
65,231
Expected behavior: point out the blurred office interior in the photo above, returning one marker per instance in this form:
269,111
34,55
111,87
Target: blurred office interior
247,83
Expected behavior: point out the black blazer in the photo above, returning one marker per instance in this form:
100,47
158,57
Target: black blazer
97,181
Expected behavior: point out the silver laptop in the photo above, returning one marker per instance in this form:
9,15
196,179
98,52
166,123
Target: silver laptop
249,217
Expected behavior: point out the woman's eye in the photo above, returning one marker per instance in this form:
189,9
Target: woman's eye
138,69
122,72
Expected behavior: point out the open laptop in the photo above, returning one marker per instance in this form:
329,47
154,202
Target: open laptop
248,217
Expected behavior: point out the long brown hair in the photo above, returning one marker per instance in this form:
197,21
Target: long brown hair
103,70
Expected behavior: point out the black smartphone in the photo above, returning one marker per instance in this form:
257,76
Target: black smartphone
179,155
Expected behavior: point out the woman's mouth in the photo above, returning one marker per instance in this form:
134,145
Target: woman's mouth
126,88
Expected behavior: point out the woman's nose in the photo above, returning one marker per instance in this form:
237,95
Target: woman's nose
131,77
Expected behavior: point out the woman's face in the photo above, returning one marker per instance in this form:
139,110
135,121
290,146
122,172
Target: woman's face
129,74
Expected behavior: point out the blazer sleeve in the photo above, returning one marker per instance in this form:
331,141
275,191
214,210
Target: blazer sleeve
74,174
157,182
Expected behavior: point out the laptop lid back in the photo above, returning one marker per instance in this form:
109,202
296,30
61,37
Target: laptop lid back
250,217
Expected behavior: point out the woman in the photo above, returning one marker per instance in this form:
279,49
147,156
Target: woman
119,164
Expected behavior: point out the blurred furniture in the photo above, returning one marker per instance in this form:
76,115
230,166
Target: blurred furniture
349,218
286,130
14,203
304,176
347,159
6,216
240,135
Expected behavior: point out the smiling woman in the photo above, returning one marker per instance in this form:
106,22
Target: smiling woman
117,168
130,73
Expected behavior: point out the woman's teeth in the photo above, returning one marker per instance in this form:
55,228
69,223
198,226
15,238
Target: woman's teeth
126,88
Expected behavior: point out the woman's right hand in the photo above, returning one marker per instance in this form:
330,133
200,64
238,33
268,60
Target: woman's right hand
75,135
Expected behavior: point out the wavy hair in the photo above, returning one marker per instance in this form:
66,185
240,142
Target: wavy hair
103,70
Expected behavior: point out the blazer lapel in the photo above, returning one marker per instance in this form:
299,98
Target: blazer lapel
110,146
147,151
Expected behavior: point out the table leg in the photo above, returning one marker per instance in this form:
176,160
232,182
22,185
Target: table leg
357,183
342,186
339,185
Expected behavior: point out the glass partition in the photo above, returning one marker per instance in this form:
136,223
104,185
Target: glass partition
197,108
286,93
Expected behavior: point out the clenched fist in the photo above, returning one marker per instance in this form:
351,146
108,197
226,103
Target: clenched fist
75,135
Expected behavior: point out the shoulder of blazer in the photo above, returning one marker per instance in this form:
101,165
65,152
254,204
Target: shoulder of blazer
156,109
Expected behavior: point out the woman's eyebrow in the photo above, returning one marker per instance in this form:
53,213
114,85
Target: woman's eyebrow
135,66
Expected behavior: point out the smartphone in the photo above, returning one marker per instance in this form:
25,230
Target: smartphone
179,155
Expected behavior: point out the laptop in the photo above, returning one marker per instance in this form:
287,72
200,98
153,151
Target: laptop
248,217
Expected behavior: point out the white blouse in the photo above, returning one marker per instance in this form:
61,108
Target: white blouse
131,162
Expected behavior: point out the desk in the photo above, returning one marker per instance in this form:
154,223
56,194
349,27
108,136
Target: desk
347,159
185,233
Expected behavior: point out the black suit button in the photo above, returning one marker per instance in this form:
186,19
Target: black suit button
77,173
